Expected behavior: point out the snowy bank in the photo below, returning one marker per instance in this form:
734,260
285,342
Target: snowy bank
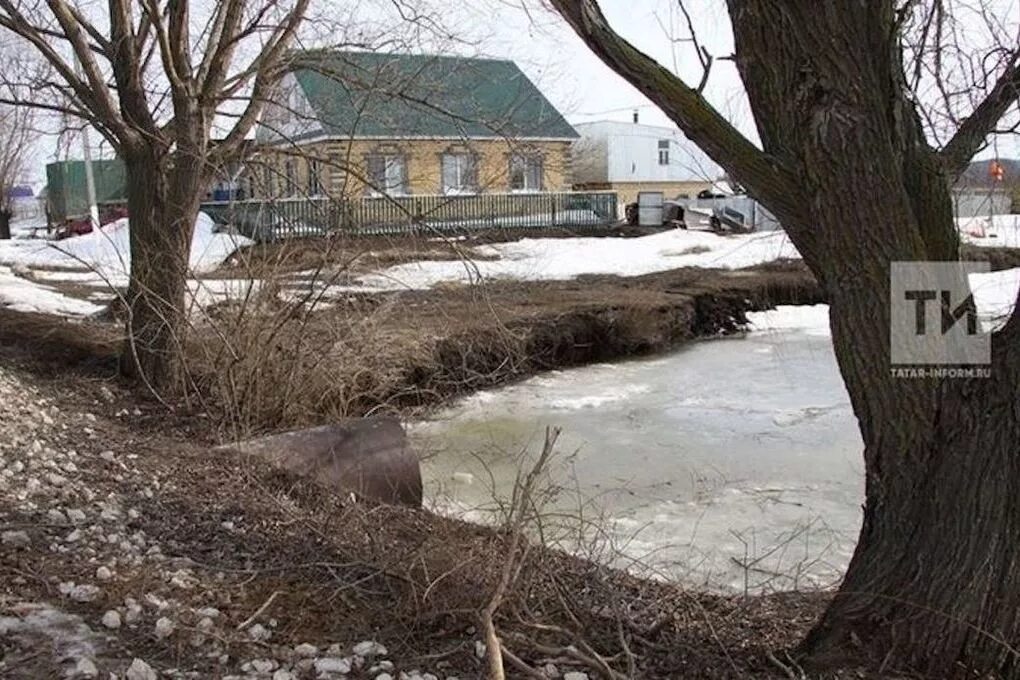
106,250
23,295
566,258
995,294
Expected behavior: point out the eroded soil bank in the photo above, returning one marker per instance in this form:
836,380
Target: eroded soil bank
269,366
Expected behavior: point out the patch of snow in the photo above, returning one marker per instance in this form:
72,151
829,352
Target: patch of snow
1000,231
566,258
23,295
808,319
995,294
106,252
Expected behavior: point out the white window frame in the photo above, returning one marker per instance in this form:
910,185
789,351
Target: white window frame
465,171
530,162
393,183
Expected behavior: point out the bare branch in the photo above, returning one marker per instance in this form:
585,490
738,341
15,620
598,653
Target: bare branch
972,133
763,174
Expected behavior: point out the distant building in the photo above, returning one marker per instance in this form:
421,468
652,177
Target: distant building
353,124
632,157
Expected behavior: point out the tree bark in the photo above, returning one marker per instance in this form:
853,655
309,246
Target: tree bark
5,223
164,192
934,584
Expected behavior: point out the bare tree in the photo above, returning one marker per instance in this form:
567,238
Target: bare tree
152,77
850,163
15,146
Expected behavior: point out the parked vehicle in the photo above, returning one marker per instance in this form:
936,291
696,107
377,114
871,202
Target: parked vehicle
672,214
78,227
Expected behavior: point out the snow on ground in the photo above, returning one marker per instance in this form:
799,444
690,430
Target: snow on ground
566,258
995,294
1002,231
106,250
808,319
100,260
24,295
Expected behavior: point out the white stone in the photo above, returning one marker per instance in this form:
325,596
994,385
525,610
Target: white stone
108,456
73,537
384,676
133,613
263,665
111,619
139,670
164,628
104,574
208,612
284,675
55,479
75,516
55,516
386,666
332,665
84,593
110,514
259,633
16,539
575,675
205,624
306,651
369,648
85,668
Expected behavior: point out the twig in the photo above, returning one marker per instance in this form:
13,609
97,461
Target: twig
258,612
520,665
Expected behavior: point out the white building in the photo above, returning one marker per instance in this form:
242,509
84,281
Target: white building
631,157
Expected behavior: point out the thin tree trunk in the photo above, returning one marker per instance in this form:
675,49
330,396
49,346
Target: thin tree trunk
5,224
163,200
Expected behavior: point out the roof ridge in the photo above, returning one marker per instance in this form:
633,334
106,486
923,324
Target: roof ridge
380,53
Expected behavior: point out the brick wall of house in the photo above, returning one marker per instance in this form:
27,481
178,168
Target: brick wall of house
343,163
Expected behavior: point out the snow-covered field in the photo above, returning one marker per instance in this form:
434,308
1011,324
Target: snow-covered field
558,258
99,261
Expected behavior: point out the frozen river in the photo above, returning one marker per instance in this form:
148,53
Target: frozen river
733,463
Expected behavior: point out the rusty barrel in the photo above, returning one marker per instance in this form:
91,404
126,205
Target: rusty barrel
370,457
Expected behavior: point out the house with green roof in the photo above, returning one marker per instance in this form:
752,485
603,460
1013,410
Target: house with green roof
366,123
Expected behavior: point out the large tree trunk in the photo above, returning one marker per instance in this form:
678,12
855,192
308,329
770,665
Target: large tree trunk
164,192
935,581
934,584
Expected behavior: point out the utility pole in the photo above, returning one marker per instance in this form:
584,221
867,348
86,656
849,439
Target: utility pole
90,180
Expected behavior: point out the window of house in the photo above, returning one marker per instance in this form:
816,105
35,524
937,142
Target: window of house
315,178
289,177
387,174
460,173
525,173
663,152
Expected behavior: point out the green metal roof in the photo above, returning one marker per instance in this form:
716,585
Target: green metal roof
370,94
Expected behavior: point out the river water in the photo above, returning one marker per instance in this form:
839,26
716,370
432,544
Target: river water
732,464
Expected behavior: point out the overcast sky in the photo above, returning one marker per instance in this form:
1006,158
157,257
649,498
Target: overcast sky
570,75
